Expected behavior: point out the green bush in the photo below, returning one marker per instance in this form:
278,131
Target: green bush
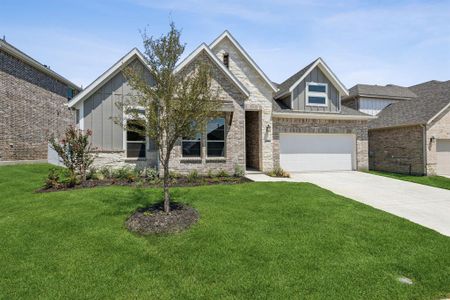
238,171
125,173
53,178
106,172
149,173
278,172
193,176
222,173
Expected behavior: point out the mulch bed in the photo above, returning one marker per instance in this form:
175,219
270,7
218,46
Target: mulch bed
176,182
153,220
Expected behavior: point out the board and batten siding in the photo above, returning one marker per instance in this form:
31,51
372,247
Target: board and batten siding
373,106
299,93
101,108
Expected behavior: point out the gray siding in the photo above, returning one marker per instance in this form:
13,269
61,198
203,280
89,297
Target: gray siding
299,93
101,108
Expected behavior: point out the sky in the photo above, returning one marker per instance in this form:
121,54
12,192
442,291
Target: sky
374,42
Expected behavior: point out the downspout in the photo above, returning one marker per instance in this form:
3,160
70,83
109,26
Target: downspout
424,148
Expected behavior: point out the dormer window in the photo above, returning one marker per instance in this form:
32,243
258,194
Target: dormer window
316,94
226,60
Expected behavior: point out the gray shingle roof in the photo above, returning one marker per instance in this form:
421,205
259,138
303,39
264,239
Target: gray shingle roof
279,106
388,91
285,85
432,97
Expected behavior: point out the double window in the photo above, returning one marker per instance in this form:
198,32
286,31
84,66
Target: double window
316,94
135,139
215,140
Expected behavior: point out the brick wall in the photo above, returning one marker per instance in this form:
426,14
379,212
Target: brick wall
398,150
293,125
31,108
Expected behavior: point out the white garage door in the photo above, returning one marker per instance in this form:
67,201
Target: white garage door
443,157
317,152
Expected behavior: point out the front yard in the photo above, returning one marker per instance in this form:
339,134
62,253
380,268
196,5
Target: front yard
434,181
254,240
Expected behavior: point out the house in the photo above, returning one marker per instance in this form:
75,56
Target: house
299,125
33,105
412,132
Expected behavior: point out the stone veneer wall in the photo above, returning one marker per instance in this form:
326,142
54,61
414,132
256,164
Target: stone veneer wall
294,125
398,150
260,95
235,129
440,129
32,107
252,139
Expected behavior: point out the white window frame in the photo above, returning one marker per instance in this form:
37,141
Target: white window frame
316,94
225,129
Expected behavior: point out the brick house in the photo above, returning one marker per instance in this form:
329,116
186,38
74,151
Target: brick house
299,125
33,105
412,131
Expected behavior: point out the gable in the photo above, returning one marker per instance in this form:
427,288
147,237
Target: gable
226,37
299,92
228,91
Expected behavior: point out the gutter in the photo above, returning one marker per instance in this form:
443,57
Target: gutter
321,116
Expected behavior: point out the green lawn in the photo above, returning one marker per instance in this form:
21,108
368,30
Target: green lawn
255,240
435,181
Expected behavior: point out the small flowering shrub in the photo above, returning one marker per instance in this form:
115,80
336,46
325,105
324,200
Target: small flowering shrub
278,172
75,151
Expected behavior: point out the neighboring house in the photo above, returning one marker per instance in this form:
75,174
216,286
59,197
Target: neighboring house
33,105
412,134
299,125
371,99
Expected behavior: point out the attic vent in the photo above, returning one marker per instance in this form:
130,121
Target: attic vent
226,60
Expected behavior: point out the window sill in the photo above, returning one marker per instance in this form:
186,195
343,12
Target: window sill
133,159
191,160
216,159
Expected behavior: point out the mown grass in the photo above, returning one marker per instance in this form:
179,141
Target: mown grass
255,240
434,181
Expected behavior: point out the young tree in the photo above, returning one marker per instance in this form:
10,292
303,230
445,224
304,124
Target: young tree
175,104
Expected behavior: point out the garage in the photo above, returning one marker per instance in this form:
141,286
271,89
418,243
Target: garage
443,157
317,152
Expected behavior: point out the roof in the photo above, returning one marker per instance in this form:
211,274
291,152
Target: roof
107,75
204,48
387,91
227,34
289,84
7,47
280,109
433,97
136,54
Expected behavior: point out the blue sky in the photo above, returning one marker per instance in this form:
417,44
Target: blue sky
376,42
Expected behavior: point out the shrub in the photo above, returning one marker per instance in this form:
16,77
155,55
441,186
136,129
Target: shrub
222,173
278,172
53,178
193,176
174,175
149,173
125,173
75,151
106,172
238,171
210,174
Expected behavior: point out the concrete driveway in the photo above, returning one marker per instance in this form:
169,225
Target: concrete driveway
421,204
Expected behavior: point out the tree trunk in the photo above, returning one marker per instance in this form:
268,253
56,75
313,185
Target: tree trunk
166,188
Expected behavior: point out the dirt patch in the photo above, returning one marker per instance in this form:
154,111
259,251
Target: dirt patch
176,182
153,220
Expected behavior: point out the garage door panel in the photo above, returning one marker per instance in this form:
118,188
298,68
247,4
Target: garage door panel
316,152
443,157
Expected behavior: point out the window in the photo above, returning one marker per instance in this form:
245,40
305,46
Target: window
135,139
191,146
70,93
77,117
215,138
226,60
316,94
